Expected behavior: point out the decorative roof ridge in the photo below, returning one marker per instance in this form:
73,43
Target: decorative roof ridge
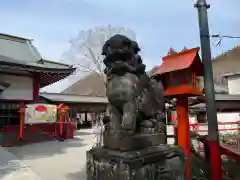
35,66
181,53
70,94
171,51
12,37
34,51
54,62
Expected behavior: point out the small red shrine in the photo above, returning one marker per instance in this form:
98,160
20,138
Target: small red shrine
182,75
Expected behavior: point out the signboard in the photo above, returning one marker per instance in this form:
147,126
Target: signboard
40,113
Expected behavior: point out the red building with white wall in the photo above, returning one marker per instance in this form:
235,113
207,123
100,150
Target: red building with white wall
23,72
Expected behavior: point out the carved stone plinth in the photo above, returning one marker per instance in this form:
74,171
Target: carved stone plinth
155,163
137,141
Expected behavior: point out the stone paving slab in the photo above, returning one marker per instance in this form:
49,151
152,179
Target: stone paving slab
11,168
54,160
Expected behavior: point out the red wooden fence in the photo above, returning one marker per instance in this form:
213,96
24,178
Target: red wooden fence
10,134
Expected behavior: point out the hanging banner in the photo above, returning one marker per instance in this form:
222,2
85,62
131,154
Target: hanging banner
40,113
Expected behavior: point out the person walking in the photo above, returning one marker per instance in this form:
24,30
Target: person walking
98,129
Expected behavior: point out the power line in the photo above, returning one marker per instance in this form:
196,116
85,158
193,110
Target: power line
221,37
226,36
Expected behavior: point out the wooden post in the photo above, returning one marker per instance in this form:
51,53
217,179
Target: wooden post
61,122
60,111
183,131
22,116
66,110
86,117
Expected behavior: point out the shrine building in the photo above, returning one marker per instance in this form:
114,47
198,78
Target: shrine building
23,72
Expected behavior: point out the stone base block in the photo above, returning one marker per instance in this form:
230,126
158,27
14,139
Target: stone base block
138,141
154,163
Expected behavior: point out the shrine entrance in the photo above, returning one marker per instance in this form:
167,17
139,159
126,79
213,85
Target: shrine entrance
84,110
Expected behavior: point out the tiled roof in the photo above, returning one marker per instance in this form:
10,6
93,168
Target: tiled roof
38,66
14,38
21,51
177,61
92,85
18,55
52,64
59,97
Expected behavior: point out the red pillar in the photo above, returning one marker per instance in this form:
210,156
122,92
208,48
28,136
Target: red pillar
183,131
216,163
61,116
60,112
22,115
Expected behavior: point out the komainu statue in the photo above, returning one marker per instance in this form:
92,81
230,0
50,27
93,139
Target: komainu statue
134,139
136,100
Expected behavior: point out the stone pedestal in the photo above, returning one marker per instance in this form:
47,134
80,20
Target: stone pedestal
152,163
137,141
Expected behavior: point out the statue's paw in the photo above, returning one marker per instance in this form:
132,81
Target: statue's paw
152,126
150,123
161,116
126,127
144,130
124,132
160,127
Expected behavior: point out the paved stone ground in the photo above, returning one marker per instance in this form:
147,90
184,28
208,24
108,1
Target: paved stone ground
11,168
55,160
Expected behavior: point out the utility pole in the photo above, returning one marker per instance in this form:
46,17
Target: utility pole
215,158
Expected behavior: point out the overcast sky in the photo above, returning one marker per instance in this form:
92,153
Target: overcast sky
157,24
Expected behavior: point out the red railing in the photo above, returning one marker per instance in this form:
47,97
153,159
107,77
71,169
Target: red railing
68,130
10,134
228,151
197,125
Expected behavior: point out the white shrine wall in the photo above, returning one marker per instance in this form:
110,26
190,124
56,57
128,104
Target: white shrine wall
21,88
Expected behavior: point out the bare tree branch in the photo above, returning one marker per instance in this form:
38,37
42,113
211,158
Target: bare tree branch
87,68
86,47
